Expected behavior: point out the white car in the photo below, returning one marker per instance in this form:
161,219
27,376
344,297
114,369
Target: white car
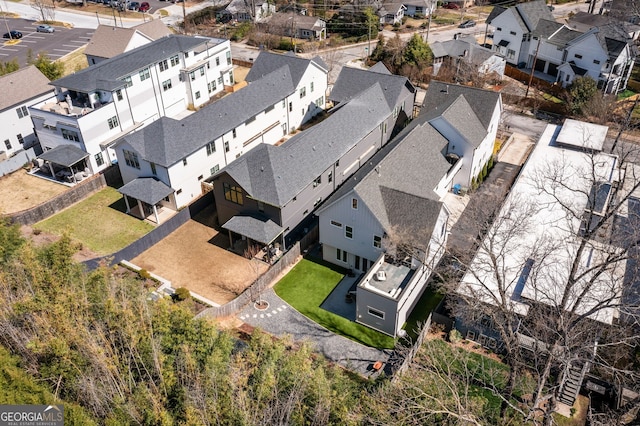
45,29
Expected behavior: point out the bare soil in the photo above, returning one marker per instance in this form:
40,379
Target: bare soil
195,257
20,191
41,238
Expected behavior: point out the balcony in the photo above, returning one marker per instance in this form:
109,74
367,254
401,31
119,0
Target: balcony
73,104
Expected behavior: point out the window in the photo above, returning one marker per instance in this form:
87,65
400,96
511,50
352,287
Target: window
202,71
290,106
377,241
174,60
113,122
127,82
597,62
338,163
341,255
144,74
131,158
166,85
192,75
200,178
226,147
179,191
260,206
220,82
311,87
153,168
20,138
231,78
336,223
164,65
70,135
214,169
99,159
250,120
348,232
7,143
376,313
119,94
284,103
511,53
228,57
211,147
498,29
217,61
184,161
320,102
284,129
578,56
354,203
232,193
330,177
186,54
303,92
512,32
22,111
211,86
198,94
317,181
233,133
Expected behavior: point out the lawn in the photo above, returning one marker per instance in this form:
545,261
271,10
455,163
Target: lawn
427,303
99,222
307,285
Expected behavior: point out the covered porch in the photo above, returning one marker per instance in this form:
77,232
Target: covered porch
64,163
152,199
255,229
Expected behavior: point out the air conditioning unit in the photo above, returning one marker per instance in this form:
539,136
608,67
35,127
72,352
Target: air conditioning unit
381,275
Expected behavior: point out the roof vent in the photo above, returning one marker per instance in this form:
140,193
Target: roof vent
381,276
262,168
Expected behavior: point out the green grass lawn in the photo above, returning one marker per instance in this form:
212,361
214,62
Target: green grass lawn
99,222
427,303
307,285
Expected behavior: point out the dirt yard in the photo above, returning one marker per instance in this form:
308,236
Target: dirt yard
20,191
195,257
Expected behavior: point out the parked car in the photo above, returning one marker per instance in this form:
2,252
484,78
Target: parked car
451,6
134,5
45,29
467,24
13,34
144,7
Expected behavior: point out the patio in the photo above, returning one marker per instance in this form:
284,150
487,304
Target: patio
65,164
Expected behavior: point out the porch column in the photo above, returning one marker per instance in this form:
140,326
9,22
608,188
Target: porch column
141,209
155,213
126,201
230,240
53,175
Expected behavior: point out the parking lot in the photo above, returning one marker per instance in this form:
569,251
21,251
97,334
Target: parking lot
56,44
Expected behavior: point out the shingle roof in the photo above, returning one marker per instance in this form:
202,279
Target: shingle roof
292,18
267,62
21,86
440,96
466,47
106,75
257,228
146,189
546,28
528,14
497,10
65,155
353,81
276,174
167,141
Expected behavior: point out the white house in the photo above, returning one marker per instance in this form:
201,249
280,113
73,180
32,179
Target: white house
513,28
95,107
20,89
180,154
388,222
241,10
419,8
468,118
466,53
108,41
391,13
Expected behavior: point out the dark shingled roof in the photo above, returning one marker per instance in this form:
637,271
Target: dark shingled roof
276,174
64,155
146,189
528,14
107,75
353,81
167,141
497,10
260,229
268,62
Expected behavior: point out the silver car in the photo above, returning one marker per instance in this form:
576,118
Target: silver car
45,29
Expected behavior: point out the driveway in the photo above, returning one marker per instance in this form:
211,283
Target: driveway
281,319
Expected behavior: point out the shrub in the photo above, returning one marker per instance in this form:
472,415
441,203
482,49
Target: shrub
182,294
455,336
484,171
490,162
37,231
144,274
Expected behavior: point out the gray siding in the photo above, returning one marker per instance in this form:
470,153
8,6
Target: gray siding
227,209
366,300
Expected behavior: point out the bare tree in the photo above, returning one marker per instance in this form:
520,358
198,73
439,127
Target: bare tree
46,9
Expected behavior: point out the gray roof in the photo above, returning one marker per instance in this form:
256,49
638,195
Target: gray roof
497,10
107,75
260,229
557,34
466,47
583,21
405,199
353,81
146,189
21,86
276,174
546,28
528,14
440,96
167,141
268,62
64,155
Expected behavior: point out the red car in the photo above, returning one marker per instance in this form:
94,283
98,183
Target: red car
451,6
144,7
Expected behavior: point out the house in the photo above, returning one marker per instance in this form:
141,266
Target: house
20,89
464,53
243,11
534,241
514,27
419,8
108,41
95,107
391,13
269,191
468,118
388,223
295,25
181,154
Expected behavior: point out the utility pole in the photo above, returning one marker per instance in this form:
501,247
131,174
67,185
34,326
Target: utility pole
431,3
184,16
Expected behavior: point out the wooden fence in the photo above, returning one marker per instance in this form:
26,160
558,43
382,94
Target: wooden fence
524,77
402,356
